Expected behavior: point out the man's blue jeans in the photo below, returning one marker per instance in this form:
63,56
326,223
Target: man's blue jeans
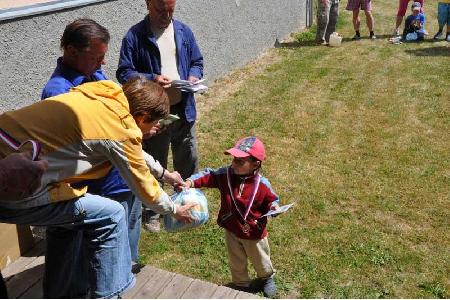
105,241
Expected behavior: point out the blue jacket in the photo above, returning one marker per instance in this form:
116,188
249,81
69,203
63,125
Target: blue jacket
62,80
65,78
140,54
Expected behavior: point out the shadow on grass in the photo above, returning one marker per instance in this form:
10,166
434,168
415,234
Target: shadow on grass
432,51
296,44
366,37
311,42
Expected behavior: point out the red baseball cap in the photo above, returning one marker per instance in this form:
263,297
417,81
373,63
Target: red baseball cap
249,146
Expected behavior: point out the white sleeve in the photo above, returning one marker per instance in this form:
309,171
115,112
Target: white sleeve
155,167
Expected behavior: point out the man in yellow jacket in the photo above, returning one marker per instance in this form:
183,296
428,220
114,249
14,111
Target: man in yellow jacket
82,133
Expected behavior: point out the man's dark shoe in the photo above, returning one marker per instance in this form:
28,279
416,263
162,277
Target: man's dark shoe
269,288
136,268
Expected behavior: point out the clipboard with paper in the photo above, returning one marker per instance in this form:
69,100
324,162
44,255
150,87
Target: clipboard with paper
278,211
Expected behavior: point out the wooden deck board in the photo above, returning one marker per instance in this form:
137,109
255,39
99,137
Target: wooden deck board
199,290
22,262
142,278
155,286
223,292
244,295
22,281
34,292
176,287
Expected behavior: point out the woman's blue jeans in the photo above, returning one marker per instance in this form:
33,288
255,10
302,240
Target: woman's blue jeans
105,242
133,212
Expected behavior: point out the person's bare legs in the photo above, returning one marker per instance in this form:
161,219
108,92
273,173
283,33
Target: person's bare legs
356,21
356,24
370,23
369,20
398,23
399,20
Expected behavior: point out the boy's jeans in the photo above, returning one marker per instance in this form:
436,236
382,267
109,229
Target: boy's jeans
105,239
240,251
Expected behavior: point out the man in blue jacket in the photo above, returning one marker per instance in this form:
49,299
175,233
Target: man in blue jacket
164,49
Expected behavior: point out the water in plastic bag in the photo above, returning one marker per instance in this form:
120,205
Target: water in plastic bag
198,212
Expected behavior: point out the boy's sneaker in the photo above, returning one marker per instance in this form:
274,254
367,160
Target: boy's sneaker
269,288
373,37
439,35
356,37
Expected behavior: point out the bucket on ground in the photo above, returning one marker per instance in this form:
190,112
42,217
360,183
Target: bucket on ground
335,39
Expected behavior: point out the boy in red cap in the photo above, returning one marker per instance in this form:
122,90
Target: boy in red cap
245,197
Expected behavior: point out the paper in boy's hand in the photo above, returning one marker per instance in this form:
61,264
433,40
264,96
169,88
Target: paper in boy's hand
168,120
280,210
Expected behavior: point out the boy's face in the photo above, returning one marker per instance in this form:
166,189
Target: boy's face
145,126
244,166
415,12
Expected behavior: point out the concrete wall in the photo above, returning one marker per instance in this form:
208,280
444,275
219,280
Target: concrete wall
229,32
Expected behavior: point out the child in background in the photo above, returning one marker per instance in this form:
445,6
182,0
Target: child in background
443,19
245,197
402,8
414,24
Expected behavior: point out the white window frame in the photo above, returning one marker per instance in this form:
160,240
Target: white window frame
41,8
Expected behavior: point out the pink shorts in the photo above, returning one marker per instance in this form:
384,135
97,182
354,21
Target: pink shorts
359,4
403,6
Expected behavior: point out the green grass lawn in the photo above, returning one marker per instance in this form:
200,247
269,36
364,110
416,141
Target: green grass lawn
359,138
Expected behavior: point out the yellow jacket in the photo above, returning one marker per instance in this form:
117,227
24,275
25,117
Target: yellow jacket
82,133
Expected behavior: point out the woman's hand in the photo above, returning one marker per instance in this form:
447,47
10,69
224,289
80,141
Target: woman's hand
183,213
173,178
